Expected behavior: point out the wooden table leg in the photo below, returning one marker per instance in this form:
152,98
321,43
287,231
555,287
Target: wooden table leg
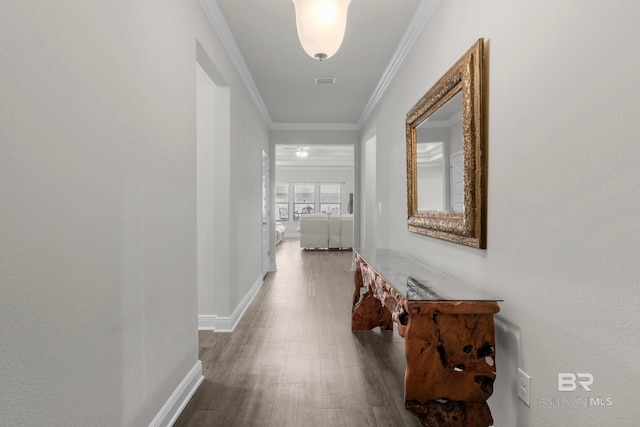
368,311
450,364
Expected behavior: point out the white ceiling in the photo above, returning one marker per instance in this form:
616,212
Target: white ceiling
260,37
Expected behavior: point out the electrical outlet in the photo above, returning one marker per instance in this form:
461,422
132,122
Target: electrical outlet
524,387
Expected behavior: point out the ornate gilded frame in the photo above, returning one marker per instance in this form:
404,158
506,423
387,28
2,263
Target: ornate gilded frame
469,227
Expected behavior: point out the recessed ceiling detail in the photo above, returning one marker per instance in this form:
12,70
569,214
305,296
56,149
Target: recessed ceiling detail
331,156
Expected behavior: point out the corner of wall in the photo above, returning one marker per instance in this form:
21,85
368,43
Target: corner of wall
208,322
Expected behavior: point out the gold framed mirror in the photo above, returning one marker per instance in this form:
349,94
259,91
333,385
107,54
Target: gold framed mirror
446,155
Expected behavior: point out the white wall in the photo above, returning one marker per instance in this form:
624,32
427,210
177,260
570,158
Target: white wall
249,137
98,206
563,233
430,182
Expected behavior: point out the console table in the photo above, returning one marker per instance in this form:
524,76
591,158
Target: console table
448,332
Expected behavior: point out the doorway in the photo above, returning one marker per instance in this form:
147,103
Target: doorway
369,202
266,241
212,193
205,167
311,178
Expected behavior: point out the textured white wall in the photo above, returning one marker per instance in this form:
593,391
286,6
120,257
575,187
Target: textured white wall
248,137
98,206
564,192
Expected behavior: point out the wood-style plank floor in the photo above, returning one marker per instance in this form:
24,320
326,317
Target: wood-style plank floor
293,359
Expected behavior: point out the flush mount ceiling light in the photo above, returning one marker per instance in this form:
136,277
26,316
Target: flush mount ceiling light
302,152
321,25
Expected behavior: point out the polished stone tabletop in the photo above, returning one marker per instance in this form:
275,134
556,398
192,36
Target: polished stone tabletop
416,281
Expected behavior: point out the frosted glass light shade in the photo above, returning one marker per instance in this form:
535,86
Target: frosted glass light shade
321,25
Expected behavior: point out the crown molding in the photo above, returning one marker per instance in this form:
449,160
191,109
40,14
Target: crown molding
419,20
216,18
315,126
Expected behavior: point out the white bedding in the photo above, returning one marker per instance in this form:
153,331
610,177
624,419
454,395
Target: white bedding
280,230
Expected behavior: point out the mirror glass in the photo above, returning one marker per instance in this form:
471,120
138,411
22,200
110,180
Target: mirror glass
439,159
447,156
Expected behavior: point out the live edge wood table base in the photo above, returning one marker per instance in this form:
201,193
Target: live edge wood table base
449,347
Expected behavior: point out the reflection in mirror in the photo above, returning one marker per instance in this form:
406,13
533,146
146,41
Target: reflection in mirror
439,159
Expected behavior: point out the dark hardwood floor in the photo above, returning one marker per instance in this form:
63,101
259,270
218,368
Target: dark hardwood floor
293,359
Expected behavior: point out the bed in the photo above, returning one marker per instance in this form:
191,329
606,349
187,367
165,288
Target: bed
280,231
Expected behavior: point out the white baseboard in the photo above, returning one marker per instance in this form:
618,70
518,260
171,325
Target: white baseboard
228,323
179,398
207,322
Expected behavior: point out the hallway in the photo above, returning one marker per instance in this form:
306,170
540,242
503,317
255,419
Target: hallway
293,359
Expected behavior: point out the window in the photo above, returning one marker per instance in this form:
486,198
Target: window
303,197
282,202
307,198
330,198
